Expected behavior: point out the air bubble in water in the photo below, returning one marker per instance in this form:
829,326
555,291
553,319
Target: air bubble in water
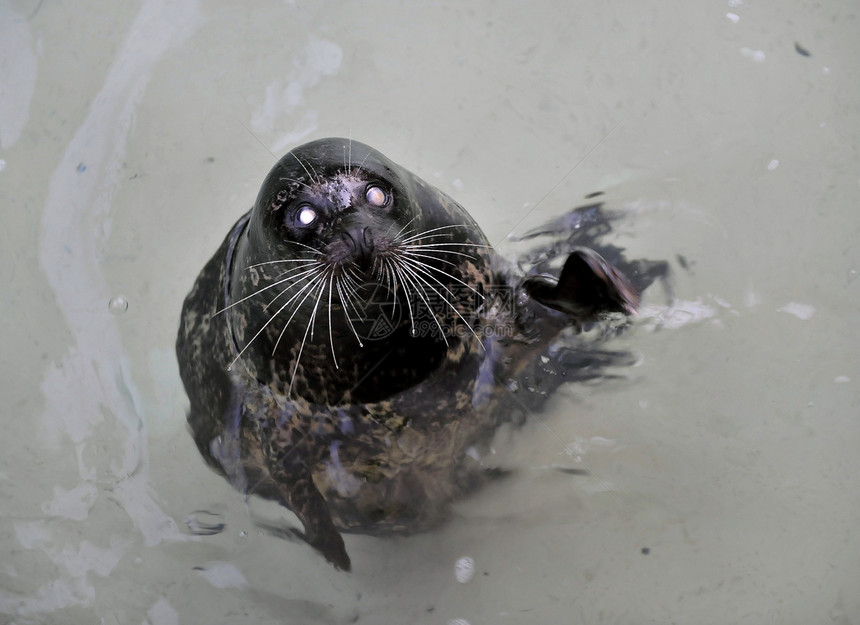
464,569
118,305
205,523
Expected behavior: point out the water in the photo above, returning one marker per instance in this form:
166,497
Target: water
723,476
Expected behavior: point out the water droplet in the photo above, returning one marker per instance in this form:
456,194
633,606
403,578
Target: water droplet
464,569
2,164
118,305
204,523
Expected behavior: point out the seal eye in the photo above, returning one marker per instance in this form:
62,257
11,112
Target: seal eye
306,215
375,196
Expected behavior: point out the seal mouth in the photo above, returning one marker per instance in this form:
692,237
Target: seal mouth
370,281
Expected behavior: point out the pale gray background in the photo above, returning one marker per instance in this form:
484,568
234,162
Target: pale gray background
133,134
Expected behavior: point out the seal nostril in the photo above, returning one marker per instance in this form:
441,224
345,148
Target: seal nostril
350,242
359,241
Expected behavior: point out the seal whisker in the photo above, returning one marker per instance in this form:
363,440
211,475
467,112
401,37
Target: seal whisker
398,283
422,269
428,266
364,160
308,262
350,287
445,227
318,280
399,232
424,245
299,161
265,288
415,268
309,327
428,254
312,323
352,302
344,303
330,337
285,260
349,276
431,230
421,237
265,325
308,247
296,280
418,285
301,268
390,282
399,270
305,262
438,249
297,181
307,288
317,177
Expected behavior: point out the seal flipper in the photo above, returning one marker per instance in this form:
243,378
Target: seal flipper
588,285
299,493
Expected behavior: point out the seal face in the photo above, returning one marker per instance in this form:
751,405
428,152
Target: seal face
354,336
331,244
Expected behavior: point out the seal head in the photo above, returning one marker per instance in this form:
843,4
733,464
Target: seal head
340,235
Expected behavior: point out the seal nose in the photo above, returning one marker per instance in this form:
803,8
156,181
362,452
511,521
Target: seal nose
359,241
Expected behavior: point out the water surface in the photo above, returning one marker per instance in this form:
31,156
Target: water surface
724,480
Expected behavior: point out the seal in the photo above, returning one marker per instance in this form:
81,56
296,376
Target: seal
356,338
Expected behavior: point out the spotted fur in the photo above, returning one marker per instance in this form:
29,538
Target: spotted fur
363,436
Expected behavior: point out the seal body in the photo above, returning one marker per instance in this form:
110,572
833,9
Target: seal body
355,336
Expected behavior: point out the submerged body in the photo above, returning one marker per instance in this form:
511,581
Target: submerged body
354,337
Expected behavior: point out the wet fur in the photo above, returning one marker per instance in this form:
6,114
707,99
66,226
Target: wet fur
368,436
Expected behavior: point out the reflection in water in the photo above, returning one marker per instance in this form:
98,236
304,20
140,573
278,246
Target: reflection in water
205,523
